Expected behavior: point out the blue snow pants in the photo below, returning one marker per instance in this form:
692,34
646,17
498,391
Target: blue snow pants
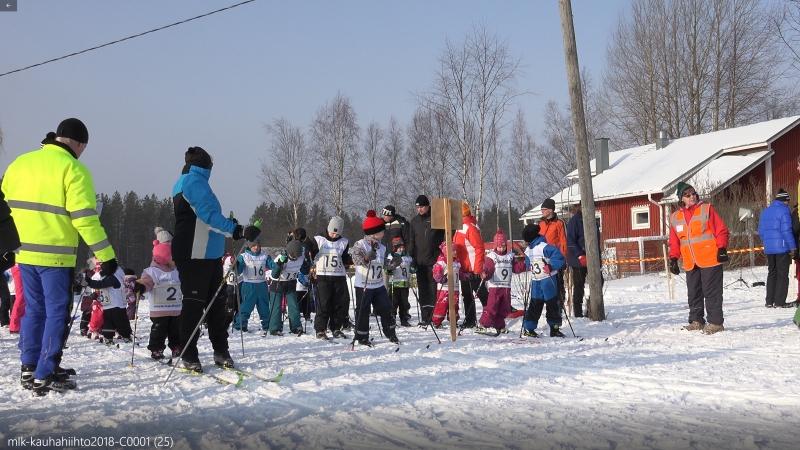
254,296
48,296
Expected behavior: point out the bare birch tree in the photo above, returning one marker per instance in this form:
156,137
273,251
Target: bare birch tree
693,66
474,87
556,157
430,153
394,147
787,22
285,175
334,139
522,151
373,170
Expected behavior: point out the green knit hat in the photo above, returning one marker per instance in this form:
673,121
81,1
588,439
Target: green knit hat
682,187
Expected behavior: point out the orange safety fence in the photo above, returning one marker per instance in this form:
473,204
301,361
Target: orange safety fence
661,258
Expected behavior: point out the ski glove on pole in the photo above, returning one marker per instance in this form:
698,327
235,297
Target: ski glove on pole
371,255
282,257
250,233
139,288
673,266
109,267
547,269
722,255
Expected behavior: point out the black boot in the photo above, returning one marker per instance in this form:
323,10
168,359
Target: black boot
556,332
223,358
26,378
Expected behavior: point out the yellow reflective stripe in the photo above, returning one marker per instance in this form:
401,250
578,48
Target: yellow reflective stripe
82,213
54,249
100,245
41,207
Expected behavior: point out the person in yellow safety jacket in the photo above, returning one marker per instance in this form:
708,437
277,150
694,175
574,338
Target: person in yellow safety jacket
52,201
698,234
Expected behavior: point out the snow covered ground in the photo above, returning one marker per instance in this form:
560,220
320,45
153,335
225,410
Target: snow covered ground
636,381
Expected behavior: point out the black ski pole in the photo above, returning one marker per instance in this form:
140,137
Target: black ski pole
525,302
135,326
205,312
564,308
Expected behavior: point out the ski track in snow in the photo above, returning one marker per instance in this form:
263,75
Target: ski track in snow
637,380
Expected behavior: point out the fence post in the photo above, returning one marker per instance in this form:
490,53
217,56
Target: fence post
641,254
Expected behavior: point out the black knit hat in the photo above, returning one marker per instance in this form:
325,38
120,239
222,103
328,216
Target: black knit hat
388,210
549,204
422,200
530,232
73,129
196,156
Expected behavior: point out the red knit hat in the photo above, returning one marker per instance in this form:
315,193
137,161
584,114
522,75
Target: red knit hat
500,239
398,242
373,224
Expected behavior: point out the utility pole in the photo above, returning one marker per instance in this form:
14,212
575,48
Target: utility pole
596,307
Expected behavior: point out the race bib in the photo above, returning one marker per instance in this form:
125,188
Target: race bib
502,276
167,295
255,272
104,297
537,269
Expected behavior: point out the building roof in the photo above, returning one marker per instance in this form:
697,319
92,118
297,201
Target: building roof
646,170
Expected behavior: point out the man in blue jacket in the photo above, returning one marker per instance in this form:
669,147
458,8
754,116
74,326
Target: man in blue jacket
576,257
775,231
197,249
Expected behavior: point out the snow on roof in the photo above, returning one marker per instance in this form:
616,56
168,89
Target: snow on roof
644,170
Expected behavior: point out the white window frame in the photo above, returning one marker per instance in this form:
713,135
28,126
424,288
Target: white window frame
638,210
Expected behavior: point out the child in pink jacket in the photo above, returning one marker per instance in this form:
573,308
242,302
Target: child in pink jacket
498,267
440,311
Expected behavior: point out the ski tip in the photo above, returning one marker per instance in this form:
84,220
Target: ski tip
397,349
428,346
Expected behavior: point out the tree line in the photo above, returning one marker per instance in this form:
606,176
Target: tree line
130,220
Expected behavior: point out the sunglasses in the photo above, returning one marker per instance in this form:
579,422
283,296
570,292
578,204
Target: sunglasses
689,194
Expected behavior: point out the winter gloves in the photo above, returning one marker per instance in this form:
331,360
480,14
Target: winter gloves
547,269
371,255
7,261
722,255
109,267
250,233
673,266
581,260
139,289
282,258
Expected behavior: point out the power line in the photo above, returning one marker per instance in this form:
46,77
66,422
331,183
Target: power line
127,38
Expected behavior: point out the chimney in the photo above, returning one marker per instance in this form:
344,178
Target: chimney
600,155
662,140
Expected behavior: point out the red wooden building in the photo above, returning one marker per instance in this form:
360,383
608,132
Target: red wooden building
635,188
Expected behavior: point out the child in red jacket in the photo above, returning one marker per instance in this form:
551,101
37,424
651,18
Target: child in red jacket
440,275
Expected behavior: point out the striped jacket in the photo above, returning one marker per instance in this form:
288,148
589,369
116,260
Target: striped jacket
52,199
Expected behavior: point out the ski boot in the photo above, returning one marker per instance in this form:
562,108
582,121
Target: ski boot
223,358
26,378
556,332
52,383
530,333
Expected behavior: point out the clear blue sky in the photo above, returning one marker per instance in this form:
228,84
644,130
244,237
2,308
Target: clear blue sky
215,81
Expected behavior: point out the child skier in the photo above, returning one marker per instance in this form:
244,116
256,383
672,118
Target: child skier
369,256
442,308
543,261
163,287
330,253
283,285
400,266
253,265
498,266
111,295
